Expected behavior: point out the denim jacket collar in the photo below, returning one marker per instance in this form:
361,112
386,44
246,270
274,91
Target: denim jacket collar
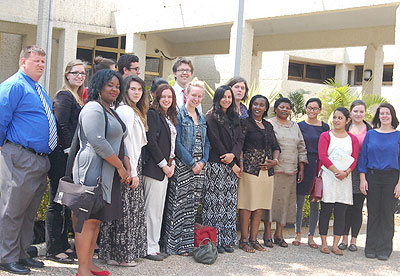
201,117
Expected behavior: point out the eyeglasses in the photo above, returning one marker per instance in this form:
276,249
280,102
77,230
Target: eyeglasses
83,74
184,71
315,109
134,68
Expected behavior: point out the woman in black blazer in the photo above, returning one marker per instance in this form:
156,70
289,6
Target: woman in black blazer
67,105
222,172
159,164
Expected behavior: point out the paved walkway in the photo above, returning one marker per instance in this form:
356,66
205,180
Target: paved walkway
293,260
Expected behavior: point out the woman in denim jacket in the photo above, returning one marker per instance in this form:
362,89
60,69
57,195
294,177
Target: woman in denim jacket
185,187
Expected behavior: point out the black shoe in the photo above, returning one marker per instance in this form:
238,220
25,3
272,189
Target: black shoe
370,255
60,260
15,268
228,248
163,254
220,249
352,247
29,262
342,246
383,257
155,257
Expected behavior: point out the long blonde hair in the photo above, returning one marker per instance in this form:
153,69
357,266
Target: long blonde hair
67,86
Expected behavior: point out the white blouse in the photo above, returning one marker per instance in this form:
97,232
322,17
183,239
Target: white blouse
136,137
335,190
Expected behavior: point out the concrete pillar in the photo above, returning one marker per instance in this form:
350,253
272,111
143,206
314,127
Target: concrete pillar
246,49
396,69
273,70
136,44
373,60
341,74
44,35
68,43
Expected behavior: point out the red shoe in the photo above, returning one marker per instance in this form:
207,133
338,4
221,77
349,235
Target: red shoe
100,273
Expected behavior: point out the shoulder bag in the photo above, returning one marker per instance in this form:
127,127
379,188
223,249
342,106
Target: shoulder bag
81,199
316,188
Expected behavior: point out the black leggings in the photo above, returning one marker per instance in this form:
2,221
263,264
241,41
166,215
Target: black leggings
353,219
339,210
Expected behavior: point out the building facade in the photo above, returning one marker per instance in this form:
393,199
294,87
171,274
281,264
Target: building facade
286,46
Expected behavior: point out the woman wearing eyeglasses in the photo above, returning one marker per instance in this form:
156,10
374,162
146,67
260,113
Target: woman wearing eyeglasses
311,128
67,105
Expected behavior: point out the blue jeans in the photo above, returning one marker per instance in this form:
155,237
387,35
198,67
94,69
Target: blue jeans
314,212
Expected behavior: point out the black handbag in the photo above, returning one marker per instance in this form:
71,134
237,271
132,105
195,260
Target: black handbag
206,253
81,199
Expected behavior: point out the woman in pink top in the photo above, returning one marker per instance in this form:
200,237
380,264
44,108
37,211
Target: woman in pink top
358,127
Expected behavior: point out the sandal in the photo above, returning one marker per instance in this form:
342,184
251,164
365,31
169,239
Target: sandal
352,247
296,243
337,252
62,260
342,246
313,245
269,243
256,245
246,247
280,242
324,250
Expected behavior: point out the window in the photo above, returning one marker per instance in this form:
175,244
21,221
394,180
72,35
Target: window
310,72
85,55
358,75
113,48
111,42
387,77
296,70
153,69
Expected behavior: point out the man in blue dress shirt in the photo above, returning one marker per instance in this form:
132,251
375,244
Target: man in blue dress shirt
27,135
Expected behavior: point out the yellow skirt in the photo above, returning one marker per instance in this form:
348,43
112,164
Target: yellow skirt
255,192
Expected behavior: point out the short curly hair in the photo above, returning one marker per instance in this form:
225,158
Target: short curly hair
99,80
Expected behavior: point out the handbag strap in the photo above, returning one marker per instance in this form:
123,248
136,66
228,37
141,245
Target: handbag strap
75,145
205,239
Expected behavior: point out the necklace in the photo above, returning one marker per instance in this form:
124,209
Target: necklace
259,122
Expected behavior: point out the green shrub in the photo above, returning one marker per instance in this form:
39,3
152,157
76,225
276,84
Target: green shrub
41,213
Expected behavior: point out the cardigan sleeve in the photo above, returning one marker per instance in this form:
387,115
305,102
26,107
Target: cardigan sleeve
92,122
356,149
323,146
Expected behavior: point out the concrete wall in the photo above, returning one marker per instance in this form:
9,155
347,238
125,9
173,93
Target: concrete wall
10,47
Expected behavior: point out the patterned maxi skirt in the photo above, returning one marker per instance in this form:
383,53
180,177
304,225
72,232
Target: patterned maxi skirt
220,202
183,198
125,239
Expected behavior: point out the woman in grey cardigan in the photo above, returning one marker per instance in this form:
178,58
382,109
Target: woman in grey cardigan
95,147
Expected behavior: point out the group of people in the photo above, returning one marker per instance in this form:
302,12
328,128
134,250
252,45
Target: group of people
158,156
